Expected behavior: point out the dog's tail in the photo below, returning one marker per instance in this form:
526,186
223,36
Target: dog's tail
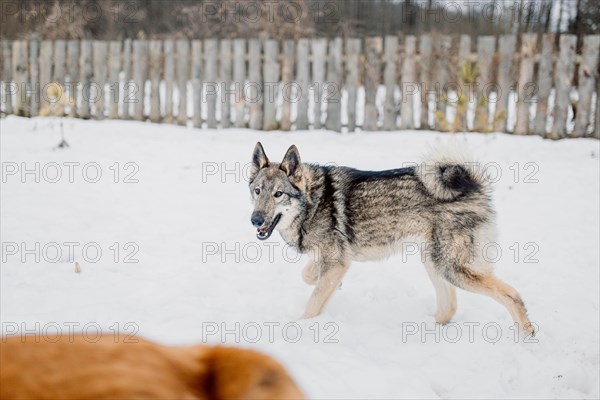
449,173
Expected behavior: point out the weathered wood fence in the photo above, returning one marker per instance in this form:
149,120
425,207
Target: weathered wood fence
525,85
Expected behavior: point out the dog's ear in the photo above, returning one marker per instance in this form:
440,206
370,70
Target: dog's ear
259,157
232,373
291,162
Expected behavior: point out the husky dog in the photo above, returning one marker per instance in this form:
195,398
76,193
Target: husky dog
339,214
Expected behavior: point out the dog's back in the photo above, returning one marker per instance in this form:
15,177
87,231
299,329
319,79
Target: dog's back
117,367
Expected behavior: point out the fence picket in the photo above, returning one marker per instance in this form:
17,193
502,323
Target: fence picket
443,46
197,70
544,84
528,42
596,133
113,78
485,54
563,78
333,87
60,50
225,78
506,80
352,79
288,91
21,76
183,75
425,78
45,71
86,70
128,87
73,71
169,55
156,61
140,73
461,77
34,70
302,78
254,90
239,77
270,84
318,56
100,76
390,78
588,75
210,70
7,78
373,48
409,87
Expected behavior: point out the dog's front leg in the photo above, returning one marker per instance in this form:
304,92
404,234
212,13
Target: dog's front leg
310,274
329,280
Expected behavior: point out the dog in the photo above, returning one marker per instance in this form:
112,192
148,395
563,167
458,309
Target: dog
119,367
340,214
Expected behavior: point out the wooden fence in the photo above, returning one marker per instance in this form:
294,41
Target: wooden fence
525,85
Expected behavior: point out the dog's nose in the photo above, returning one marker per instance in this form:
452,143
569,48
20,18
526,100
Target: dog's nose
257,219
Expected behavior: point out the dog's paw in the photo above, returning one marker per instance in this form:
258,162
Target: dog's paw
529,330
307,315
442,319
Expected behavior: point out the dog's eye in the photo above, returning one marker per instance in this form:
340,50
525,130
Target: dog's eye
257,191
278,193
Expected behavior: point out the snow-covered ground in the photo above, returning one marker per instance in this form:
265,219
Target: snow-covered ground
201,274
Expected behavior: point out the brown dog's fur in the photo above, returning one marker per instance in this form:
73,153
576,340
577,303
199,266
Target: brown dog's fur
75,368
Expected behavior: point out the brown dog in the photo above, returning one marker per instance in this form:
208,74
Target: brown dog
76,368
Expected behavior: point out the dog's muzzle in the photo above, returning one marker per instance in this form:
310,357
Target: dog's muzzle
265,231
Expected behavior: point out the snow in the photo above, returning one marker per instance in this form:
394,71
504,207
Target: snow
185,216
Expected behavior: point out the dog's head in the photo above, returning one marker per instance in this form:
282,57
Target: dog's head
274,189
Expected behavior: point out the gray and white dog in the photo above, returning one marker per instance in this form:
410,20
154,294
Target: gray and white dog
339,214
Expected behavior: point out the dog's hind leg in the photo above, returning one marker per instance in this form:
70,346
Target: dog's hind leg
329,280
504,294
445,293
457,258
484,282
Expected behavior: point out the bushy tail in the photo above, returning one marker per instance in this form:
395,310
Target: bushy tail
450,173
